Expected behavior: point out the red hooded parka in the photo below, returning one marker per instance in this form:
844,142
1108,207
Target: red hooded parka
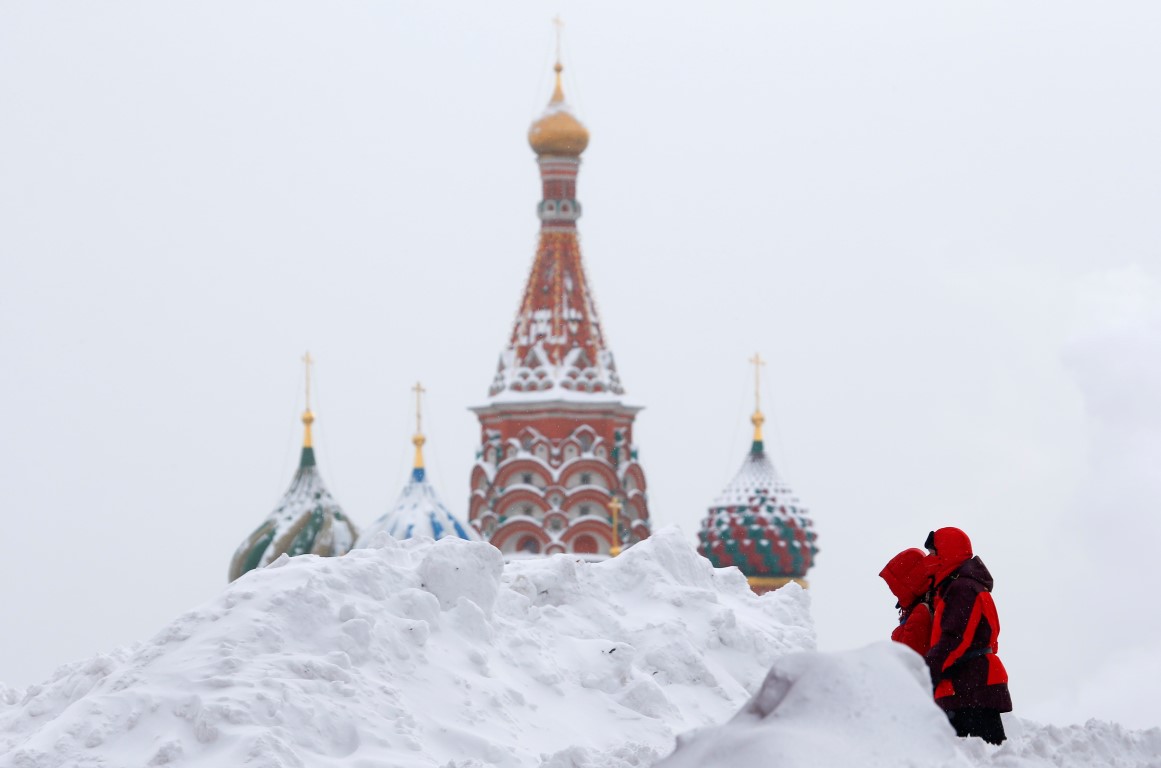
965,669
907,577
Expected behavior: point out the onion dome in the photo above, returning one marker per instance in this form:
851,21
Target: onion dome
557,133
758,524
419,510
307,521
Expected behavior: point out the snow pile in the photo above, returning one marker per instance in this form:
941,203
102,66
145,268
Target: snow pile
873,708
423,654
437,655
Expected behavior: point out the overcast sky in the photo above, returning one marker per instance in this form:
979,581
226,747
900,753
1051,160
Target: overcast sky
938,221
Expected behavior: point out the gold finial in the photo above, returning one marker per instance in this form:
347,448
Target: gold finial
558,133
307,416
615,507
419,439
757,419
558,91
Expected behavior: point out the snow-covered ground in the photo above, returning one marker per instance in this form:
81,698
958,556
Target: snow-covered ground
872,707
437,654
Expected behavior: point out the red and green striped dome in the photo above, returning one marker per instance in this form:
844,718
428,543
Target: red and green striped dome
759,525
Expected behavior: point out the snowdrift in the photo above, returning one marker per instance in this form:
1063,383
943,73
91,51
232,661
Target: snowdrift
873,708
429,654
417,653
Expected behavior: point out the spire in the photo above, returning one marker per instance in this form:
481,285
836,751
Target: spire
556,416
558,90
757,419
417,470
557,347
307,419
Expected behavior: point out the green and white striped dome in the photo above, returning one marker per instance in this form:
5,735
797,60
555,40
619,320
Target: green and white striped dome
308,521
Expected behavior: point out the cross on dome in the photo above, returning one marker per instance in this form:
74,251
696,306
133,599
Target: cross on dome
418,440
757,419
559,24
615,506
307,415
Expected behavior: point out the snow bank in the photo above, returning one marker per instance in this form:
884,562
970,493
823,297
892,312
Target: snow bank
873,708
423,654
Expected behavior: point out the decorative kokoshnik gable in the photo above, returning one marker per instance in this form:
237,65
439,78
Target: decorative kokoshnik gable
556,439
757,523
307,521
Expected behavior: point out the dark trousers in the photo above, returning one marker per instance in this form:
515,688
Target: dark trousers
984,723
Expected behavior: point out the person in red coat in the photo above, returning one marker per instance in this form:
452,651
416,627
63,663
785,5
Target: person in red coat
971,684
908,579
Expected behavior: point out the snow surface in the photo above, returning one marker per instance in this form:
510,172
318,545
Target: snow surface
422,653
873,707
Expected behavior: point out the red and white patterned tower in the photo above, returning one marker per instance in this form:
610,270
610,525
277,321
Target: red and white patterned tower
556,437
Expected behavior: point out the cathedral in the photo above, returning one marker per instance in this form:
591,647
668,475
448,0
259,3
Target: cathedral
556,468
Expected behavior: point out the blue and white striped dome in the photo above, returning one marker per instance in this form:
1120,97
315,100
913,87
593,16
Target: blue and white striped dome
418,512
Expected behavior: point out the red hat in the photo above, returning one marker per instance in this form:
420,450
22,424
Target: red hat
950,548
906,575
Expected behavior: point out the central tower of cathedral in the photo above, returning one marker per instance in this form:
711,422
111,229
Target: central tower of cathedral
556,442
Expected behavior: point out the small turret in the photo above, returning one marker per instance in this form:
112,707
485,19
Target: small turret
307,521
757,522
419,510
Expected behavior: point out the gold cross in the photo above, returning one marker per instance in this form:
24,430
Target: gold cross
559,29
418,390
757,362
308,361
615,507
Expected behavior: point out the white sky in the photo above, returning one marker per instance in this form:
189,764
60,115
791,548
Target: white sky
938,221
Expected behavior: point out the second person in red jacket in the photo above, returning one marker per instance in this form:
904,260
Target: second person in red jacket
908,577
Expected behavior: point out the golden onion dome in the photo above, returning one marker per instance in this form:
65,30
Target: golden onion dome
558,132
